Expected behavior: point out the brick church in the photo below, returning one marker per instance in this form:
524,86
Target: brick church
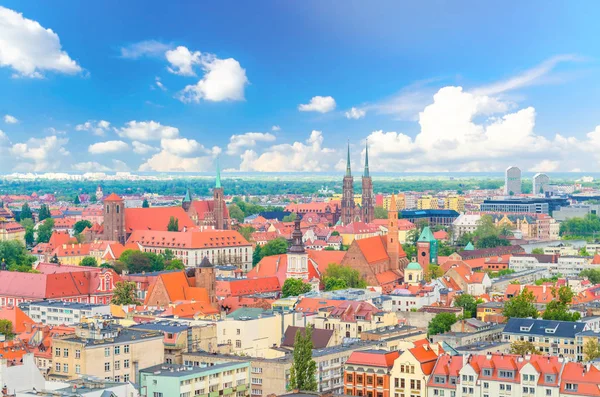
120,222
380,260
350,212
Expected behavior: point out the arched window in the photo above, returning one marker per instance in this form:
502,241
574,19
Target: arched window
107,209
118,209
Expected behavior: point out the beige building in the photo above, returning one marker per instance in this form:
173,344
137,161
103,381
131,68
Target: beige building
105,351
454,202
412,369
400,201
12,231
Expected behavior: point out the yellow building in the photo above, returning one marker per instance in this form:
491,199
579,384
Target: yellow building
357,198
427,203
12,231
412,369
454,202
105,351
71,254
400,201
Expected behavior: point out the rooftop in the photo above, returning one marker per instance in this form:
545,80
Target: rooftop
176,370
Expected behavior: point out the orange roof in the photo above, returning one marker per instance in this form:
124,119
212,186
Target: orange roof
375,249
585,379
17,317
312,305
155,218
193,309
247,286
113,197
188,240
177,288
59,238
542,293
373,358
426,356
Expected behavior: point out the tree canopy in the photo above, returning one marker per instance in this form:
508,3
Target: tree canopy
246,232
26,212
173,225
468,303
304,368
592,274
486,235
337,276
145,204
523,347
380,213
44,212
44,231
15,254
558,308
580,227
442,322
274,247
89,261
591,349
80,225
6,328
294,287
521,306
124,293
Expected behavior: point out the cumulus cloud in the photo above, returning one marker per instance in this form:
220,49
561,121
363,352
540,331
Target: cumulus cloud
355,113
159,83
96,127
142,148
30,49
108,147
166,161
321,104
90,166
309,156
247,140
275,128
183,147
40,154
545,166
182,61
223,80
147,131
8,119
146,48
3,138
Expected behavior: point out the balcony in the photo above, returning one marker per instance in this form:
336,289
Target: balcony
241,387
213,394
228,391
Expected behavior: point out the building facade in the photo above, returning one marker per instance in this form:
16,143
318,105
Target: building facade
512,181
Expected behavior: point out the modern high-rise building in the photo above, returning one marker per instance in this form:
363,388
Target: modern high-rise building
512,181
540,183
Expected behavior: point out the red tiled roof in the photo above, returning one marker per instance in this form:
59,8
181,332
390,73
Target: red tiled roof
373,358
17,317
178,288
204,207
155,218
113,197
585,379
312,305
375,249
188,240
248,286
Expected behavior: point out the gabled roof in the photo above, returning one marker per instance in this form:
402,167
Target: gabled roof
373,358
155,218
426,235
548,328
247,286
374,249
113,197
17,317
177,288
320,336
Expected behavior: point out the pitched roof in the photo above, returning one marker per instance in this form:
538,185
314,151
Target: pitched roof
205,207
155,218
548,328
374,249
113,197
426,235
320,337
206,239
17,317
247,286
177,288
373,358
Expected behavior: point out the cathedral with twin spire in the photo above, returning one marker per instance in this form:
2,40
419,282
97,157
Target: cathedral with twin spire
350,212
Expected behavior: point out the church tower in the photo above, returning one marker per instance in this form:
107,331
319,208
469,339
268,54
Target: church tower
368,204
392,235
348,194
297,257
114,219
204,277
187,200
219,201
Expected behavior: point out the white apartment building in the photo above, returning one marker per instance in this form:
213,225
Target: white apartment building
465,223
62,313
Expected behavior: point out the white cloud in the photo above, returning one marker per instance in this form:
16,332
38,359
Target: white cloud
90,166
30,49
166,161
96,127
142,148
275,128
159,84
355,113
249,139
182,61
119,166
321,104
8,119
527,78
183,147
223,80
40,154
545,166
108,147
3,138
147,131
310,156
152,48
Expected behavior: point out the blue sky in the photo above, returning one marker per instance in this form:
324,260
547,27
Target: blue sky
438,86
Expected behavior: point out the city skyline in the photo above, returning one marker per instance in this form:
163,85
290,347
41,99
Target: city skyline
168,94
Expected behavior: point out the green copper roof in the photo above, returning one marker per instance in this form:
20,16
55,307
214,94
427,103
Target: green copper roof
348,171
366,173
413,266
469,247
426,235
188,196
218,181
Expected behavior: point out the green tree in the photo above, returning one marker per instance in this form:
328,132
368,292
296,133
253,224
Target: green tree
583,252
235,212
14,254
434,272
591,349
558,308
523,347
44,213
521,306
304,368
89,261
173,225
80,225
26,212
491,242
28,224
335,233
333,283
175,264
145,204
168,255
348,275
380,213
76,201
592,274
294,287
537,251
44,231
246,232
468,303
274,247
136,261
256,255
290,218
6,328
442,322
124,293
